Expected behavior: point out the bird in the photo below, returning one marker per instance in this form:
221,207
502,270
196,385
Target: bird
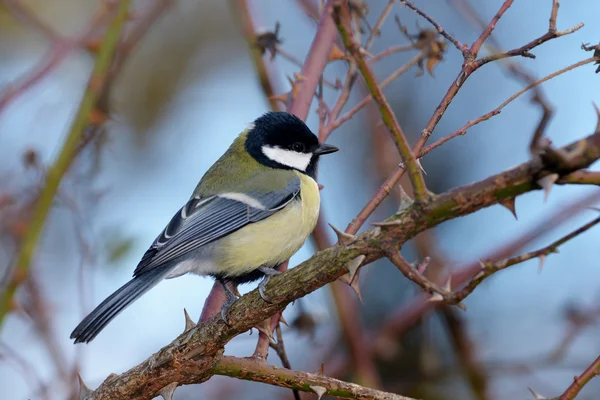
252,210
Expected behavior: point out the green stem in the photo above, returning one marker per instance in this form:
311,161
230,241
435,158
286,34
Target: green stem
65,158
342,20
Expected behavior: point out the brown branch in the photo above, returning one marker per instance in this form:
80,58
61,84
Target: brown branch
279,348
463,48
352,328
400,321
498,110
582,178
252,370
191,357
316,60
342,20
474,49
580,381
490,268
28,17
241,10
467,69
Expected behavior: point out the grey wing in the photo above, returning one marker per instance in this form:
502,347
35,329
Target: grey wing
203,220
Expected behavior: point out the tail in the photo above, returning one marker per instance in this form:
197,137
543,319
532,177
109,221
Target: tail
91,325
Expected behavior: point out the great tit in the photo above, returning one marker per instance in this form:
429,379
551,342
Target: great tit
251,211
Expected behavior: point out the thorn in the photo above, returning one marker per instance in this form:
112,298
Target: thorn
461,306
479,275
598,115
167,392
319,390
423,266
546,183
265,328
536,395
405,200
354,285
321,187
542,258
343,237
448,285
353,265
509,203
189,324
321,371
482,264
282,320
84,391
421,166
436,297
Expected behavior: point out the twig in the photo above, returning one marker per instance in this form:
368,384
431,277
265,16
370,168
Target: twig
490,268
581,178
465,352
342,19
315,63
467,69
474,49
352,328
322,385
498,109
27,16
244,16
580,381
65,158
376,31
408,314
280,350
336,122
461,47
389,51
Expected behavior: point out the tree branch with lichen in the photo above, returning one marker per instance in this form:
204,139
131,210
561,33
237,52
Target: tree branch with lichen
191,357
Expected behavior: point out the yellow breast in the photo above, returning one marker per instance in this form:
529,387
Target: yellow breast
275,239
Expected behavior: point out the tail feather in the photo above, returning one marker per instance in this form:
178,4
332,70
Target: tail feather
97,320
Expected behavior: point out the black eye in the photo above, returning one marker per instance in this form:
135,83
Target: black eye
299,147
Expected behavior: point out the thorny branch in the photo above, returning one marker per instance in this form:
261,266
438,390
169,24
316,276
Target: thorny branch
197,352
318,384
343,22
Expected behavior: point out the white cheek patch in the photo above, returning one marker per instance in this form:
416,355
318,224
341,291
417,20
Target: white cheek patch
288,158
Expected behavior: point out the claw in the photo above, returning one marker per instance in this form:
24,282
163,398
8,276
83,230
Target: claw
262,286
231,298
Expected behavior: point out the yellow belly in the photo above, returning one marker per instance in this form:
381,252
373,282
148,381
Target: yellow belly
273,240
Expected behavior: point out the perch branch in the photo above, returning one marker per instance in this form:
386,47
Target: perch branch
190,357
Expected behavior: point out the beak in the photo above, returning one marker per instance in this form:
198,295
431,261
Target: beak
325,149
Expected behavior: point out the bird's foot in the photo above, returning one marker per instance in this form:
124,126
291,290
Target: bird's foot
262,286
231,297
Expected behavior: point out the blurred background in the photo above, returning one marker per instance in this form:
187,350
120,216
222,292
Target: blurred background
187,88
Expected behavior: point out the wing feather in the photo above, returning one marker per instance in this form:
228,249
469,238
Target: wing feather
203,220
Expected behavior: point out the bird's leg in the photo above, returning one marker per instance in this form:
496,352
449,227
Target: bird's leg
230,292
269,272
